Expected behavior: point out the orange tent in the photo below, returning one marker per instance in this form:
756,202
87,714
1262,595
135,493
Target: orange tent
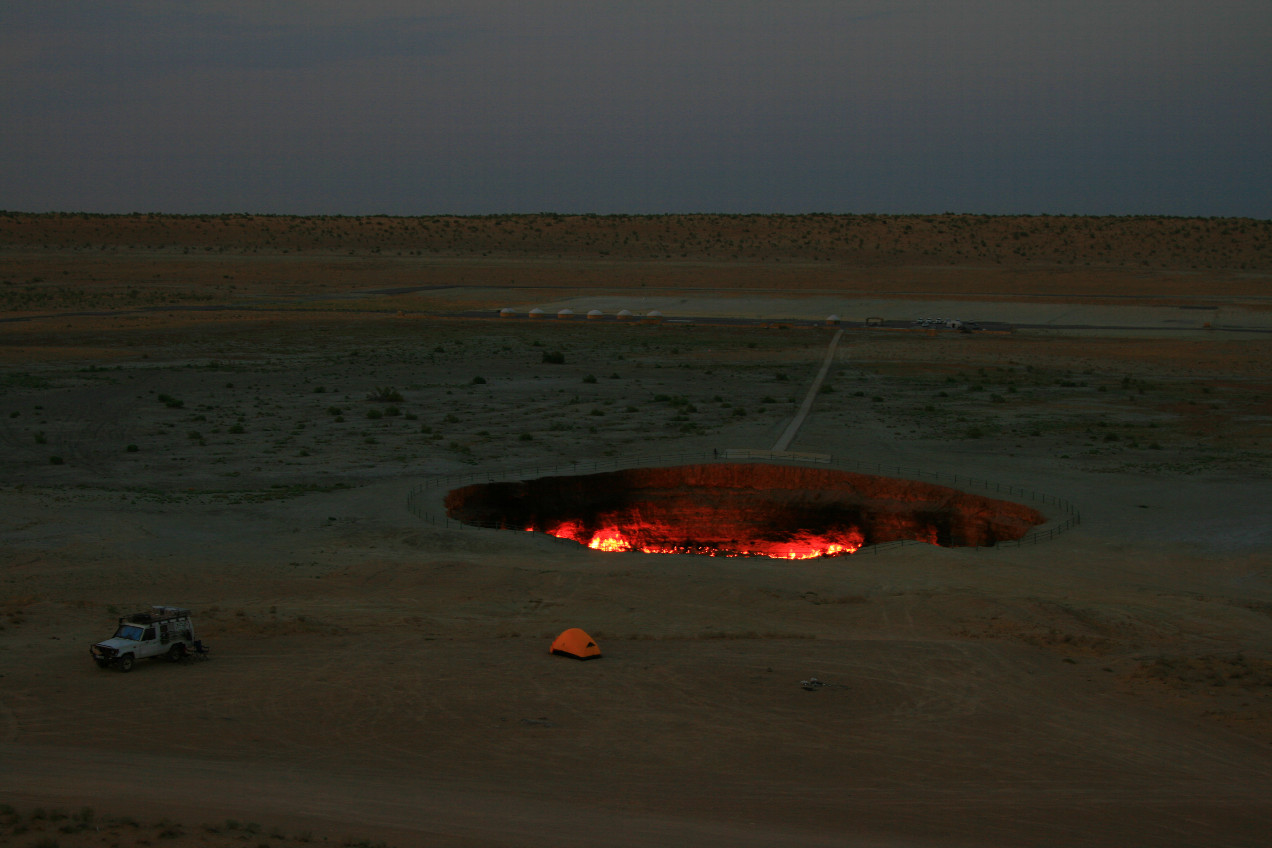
575,643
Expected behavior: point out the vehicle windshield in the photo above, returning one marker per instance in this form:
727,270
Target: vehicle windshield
128,631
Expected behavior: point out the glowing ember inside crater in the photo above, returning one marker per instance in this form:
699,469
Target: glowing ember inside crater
653,539
783,512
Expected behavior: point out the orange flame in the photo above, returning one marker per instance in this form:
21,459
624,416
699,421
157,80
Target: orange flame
802,546
609,540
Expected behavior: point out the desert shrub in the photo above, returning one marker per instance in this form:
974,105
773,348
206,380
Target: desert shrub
374,413
385,394
554,357
590,378
479,381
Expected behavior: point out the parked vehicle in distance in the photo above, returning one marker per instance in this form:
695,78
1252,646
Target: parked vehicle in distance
162,632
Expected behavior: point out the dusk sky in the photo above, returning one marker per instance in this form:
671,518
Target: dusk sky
412,107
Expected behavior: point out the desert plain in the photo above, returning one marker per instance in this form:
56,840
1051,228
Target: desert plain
258,417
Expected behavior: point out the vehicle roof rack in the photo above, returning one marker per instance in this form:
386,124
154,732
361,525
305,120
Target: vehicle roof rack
157,613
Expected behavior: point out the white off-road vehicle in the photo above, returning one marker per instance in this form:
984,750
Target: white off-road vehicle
162,632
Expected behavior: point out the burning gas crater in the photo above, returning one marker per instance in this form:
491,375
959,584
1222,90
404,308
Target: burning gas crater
778,511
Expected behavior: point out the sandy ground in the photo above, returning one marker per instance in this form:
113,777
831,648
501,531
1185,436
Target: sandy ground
377,677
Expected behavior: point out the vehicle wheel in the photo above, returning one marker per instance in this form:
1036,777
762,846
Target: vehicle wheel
126,663
176,653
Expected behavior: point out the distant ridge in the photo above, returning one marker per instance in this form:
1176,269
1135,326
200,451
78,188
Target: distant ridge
1135,242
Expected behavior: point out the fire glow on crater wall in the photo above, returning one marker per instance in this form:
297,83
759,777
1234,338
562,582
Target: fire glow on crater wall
741,509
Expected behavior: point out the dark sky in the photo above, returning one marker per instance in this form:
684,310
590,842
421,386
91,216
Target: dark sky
486,106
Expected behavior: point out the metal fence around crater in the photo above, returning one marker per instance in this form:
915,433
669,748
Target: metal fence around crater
417,499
